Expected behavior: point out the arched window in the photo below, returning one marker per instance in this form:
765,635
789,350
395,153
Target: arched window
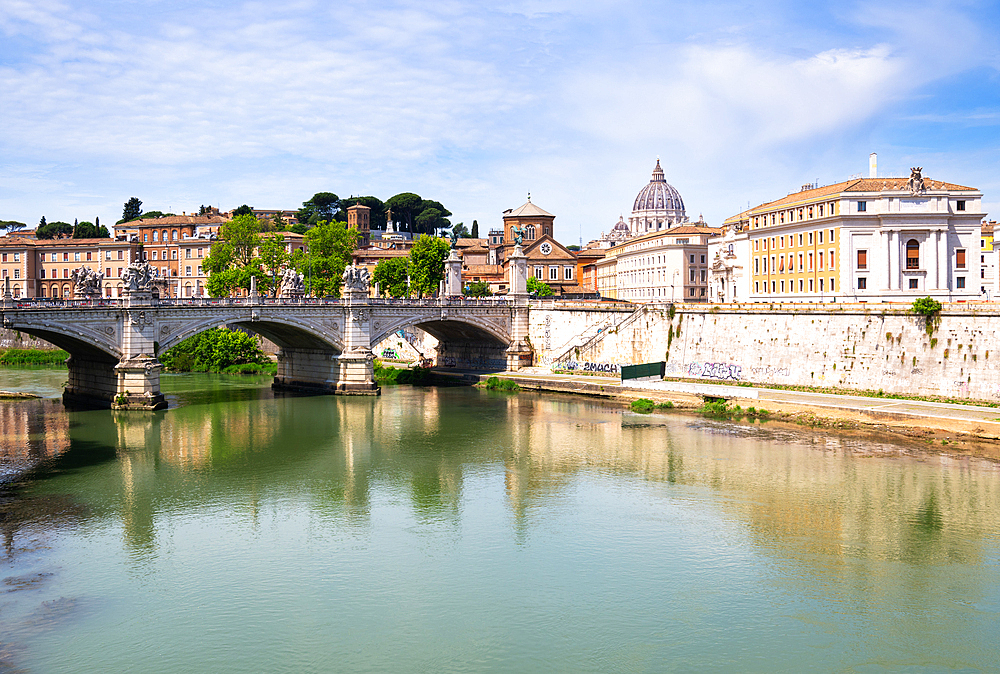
17,291
173,235
156,235
912,254
41,291
165,235
529,232
65,292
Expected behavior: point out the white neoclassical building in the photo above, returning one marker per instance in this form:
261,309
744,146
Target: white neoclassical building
864,240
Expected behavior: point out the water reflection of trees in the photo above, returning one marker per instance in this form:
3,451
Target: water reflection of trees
802,495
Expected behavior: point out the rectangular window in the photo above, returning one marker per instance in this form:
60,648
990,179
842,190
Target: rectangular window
4,257
17,274
812,285
65,272
756,265
200,250
831,259
862,206
187,270
862,259
914,284
821,285
819,260
703,276
801,267
781,242
862,283
774,267
756,287
782,286
692,259
821,210
800,285
42,272
119,272
831,236
154,254
65,257
553,273
568,273
810,261
960,258
800,239
107,272
692,292
774,285
821,236
959,280
960,206
703,259
199,270
76,257
833,287
538,273
693,272
88,256
187,253
17,257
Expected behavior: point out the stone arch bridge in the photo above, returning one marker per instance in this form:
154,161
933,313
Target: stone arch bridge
325,345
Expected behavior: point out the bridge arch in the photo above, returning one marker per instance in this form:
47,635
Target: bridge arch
286,331
465,341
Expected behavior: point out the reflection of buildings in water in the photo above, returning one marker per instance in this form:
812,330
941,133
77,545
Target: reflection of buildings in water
30,432
826,499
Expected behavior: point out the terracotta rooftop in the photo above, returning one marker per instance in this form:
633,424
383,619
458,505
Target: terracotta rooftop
853,185
484,269
176,220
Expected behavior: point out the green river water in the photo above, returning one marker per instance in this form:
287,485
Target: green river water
459,530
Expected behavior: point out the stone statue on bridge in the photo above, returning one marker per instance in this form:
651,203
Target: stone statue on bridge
87,283
138,277
292,284
356,279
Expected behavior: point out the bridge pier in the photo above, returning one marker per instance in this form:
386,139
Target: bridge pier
91,383
319,371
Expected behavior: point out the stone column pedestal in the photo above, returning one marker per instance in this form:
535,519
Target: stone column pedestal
453,275
520,353
138,386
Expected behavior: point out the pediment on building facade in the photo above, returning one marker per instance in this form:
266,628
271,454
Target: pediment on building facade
547,248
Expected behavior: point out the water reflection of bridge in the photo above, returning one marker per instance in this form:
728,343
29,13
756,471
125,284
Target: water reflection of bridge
819,501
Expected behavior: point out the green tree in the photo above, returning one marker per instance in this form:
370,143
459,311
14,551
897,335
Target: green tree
88,230
538,289
232,262
132,210
477,289
279,222
54,230
41,223
926,306
330,246
432,216
461,230
242,210
243,234
273,257
12,226
404,206
322,206
392,276
475,229
427,264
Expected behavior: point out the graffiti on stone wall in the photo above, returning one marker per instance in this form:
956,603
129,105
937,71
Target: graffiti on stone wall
574,366
390,354
721,371
768,372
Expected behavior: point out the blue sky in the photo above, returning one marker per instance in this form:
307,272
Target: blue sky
224,103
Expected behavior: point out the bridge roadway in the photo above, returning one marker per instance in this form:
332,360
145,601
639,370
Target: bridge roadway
325,344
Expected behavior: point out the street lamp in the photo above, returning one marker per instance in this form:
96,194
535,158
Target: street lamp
675,274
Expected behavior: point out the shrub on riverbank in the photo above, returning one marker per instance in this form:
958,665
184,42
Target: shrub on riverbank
390,375
218,350
720,409
646,406
498,384
32,357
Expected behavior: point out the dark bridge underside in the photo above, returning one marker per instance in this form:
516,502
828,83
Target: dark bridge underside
77,348
466,347
286,336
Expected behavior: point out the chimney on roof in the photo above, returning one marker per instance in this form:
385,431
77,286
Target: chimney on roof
873,165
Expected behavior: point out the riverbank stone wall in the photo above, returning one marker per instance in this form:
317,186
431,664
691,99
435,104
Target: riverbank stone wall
954,354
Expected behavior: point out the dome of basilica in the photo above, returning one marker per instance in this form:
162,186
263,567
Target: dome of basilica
657,205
